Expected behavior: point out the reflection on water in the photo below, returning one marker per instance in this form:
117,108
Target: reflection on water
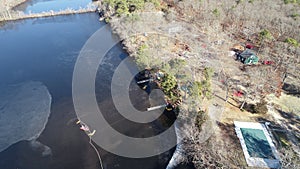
44,49
37,6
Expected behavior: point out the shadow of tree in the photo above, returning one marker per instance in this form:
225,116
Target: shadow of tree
227,100
292,125
263,120
232,145
291,89
228,131
287,128
260,107
290,118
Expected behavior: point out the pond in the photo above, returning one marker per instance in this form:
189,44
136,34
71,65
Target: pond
45,50
37,6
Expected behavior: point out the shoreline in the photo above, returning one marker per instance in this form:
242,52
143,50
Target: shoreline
113,27
7,12
10,4
20,15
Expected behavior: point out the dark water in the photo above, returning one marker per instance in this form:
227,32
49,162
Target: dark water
45,50
37,6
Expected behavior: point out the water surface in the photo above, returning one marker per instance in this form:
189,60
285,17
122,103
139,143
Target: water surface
37,6
45,50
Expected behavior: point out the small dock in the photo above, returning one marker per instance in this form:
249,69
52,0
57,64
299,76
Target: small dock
156,107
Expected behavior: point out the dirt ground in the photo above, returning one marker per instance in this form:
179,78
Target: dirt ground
9,4
210,49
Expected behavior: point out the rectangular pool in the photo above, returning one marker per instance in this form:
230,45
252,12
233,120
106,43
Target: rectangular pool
257,145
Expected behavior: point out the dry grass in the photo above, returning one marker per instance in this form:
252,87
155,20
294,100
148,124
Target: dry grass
8,14
17,15
9,4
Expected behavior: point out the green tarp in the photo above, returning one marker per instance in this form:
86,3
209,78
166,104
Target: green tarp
257,143
248,57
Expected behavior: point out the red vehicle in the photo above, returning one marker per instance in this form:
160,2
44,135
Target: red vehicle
267,62
249,46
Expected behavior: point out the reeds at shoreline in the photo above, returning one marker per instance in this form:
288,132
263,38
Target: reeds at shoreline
11,15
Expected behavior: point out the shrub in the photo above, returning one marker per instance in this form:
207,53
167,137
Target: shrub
176,66
128,6
216,12
142,57
261,107
295,15
202,88
155,2
201,118
107,20
265,34
292,41
291,1
169,85
196,89
208,72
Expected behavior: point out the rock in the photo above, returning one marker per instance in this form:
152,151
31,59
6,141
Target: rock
24,112
231,53
179,155
177,158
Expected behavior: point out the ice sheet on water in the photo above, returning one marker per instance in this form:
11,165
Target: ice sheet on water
24,112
